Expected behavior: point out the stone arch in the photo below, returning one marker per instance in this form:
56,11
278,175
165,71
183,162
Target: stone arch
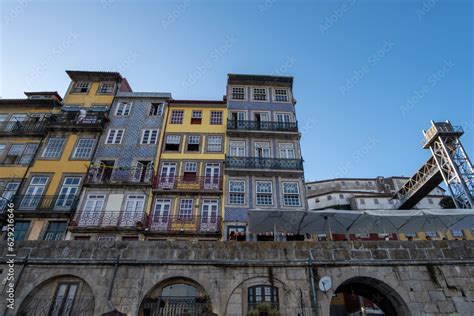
158,298
64,293
384,295
232,299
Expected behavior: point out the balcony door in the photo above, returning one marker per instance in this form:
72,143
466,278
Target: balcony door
143,171
133,211
105,170
212,176
209,214
167,175
68,192
262,149
34,192
92,212
161,214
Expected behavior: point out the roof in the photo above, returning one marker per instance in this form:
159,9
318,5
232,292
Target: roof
31,102
342,179
159,95
197,102
44,93
259,79
362,194
78,75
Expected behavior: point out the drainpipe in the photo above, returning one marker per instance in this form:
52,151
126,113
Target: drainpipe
314,300
112,282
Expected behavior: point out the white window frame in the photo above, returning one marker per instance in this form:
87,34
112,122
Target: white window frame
190,209
107,84
78,147
232,93
123,108
159,109
149,136
57,151
196,114
287,91
265,193
237,146
115,136
285,193
240,193
190,166
81,85
217,119
285,149
210,145
266,94
174,120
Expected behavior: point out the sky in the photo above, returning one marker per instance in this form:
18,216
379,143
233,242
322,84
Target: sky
368,75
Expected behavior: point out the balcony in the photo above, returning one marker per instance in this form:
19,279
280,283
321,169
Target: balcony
73,121
106,176
262,127
256,163
188,184
183,224
44,204
109,219
23,128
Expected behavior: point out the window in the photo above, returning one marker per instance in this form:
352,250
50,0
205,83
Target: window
34,192
236,192
55,231
14,154
123,109
156,109
260,94
431,234
64,298
172,142
161,212
362,201
114,136
186,208
80,87
281,95
190,170
457,233
143,171
262,149
341,196
54,147
262,293
329,197
287,150
106,87
238,93
2,149
8,193
94,202
177,117
196,117
209,212
21,229
133,209
214,143
410,234
106,238
283,118
430,201
357,183
68,192
237,149
376,201
83,148
264,193
28,154
193,142
149,136
216,118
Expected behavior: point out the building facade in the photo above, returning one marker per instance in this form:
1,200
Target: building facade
116,199
188,188
263,167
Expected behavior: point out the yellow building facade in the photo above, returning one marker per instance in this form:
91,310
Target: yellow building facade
188,187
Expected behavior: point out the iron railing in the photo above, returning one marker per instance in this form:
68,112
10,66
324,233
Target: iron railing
176,306
104,175
45,305
270,126
45,203
75,120
23,127
188,183
263,163
121,219
184,224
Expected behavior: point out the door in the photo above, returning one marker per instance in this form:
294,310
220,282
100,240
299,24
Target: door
34,192
283,120
143,171
212,176
8,193
167,175
209,214
133,211
68,192
161,214
92,213
105,170
262,150
237,149
287,150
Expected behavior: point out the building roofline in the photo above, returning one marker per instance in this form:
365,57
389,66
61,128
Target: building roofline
78,75
46,93
200,102
145,95
31,102
259,79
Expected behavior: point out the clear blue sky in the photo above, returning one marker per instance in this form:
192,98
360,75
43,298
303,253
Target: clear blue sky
369,75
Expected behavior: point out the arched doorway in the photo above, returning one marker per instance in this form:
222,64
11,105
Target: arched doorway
59,296
366,296
176,297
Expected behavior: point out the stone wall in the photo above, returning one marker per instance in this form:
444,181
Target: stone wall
419,278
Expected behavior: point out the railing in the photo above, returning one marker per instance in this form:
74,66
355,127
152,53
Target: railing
49,305
188,183
263,163
262,126
176,306
123,219
104,175
74,120
441,128
184,223
44,203
22,127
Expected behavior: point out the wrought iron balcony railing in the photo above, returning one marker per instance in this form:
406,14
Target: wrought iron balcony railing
23,128
188,183
82,305
176,305
263,163
106,175
121,219
270,126
73,120
184,224
43,203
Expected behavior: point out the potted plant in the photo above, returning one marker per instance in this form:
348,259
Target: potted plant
263,309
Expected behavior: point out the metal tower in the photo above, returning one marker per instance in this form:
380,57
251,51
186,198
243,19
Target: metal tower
449,162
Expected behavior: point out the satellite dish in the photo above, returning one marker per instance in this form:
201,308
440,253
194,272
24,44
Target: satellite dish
325,283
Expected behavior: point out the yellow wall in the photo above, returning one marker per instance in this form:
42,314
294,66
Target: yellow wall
90,98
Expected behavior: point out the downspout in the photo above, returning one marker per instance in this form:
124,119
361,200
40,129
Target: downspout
314,299
112,282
